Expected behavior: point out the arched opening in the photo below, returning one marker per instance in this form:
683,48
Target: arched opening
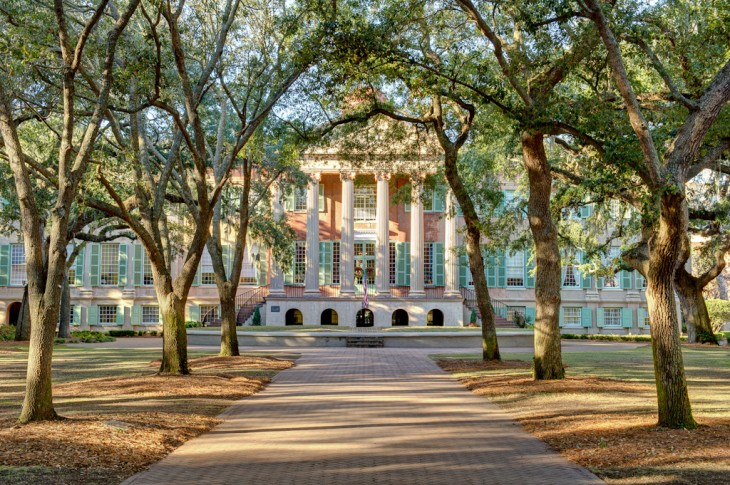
294,317
435,318
399,318
13,313
364,318
329,317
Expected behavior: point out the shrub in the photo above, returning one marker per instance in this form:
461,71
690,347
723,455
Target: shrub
519,320
256,319
193,324
612,338
88,337
719,311
7,333
153,333
122,333
473,316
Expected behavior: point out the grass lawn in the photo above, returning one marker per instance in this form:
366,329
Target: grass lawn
120,416
603,415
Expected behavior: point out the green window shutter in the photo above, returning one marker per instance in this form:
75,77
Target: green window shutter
120,315
586,317
600,318
438,259
585,211
321,198
502,270
289,200
407,252
5,265
77,315
400,264
193,313
196,278
136,316
226,257
639,279
138,264
92,315
599,282
641,315
491,264
438,201
561,318
79,268
122,280
529,271
94,270
325,262
586,282
262,273
627,318
579,260
530,315
463,266
625,280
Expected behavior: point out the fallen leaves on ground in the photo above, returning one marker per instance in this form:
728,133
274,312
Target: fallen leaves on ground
606,425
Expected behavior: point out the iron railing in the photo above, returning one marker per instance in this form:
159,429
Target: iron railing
499,308
248,301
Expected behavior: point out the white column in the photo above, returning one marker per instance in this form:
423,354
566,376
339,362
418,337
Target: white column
276,287
311,275
451,259
382,281
347,236
416,238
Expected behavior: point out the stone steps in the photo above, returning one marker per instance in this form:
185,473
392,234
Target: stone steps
370,342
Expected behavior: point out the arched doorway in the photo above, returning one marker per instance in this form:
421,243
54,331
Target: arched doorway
13,313
364,318
435,318
294,317
329,317
399,318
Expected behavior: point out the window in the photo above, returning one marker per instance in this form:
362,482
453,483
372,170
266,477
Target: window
512,310
571,275
18,275
612,281
109,275
150,315
209,313
612,317
645,314
207,276
147,279
392,272
71,315
469,278
300,199
248,270
571,316
365,203
428,263
300,261
107,314
516,269
71,275
336,263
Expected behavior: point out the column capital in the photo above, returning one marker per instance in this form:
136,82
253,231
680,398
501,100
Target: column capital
316,176
382,176
418,177
347,175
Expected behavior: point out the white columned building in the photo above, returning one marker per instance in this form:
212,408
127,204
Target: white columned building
311,275
382,281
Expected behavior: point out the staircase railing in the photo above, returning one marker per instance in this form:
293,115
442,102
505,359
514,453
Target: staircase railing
247,302
470,300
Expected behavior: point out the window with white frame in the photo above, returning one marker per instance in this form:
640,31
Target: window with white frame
571,316
571,275
512,310
428,263
392,270
646,318
150,315
612,280
207,276
107,314
71,309
336,263
469,278
71,275
516,269
428,203
612,317
109,274
18,274
300,199
300,261
209,313
248,269
365,203
147,278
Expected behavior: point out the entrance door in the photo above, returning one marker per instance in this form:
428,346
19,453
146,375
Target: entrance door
365,258
364,318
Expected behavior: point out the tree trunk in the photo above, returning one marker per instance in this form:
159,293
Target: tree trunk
174,336
694,309
721,286
38,401
22,329
490,346
229,339
64,321
666,246
548,358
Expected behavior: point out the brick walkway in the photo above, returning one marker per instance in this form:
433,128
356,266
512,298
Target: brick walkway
364,416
